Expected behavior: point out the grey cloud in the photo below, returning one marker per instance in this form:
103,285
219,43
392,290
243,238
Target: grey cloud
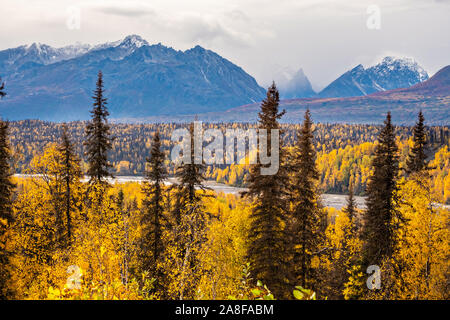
324,37
204,29
195,27
237,15
125,11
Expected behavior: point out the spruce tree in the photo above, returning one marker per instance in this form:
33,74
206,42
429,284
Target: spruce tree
6,214
381,217
350,209
268,238
190,177
306,215
153,211
189,223
416,160
98,138
348,261
2,89
70,174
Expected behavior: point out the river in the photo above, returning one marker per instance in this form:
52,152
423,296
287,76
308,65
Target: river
329,200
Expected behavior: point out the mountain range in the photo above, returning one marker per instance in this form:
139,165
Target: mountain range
157,83
431,96
140,80
391,73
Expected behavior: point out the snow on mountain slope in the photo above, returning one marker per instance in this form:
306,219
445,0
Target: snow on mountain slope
28,55
390,73
140,80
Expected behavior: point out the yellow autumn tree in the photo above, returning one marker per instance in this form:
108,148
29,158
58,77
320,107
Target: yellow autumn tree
423,255
225,249
343,258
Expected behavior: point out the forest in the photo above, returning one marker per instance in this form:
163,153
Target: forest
62,237
344,152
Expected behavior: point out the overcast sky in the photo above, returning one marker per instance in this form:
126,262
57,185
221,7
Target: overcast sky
324,37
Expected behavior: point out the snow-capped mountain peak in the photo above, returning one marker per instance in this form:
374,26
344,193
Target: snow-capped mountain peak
129,42
35,46
390,73
41,50
44,54
403,63
133,41
196,80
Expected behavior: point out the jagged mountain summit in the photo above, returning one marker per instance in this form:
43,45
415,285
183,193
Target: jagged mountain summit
147,82
15,59
431,96
390,73
140,80
293,84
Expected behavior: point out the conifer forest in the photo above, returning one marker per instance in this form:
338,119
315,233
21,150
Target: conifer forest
70,230
224,159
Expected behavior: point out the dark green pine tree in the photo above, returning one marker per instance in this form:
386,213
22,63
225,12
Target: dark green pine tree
190,177
153,210
98,138
381,217
350,210
416,160
343,264
6,215
2,89
190,218
268,237
70,174
307,217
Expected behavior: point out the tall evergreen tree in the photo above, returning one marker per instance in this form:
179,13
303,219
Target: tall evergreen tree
350,209
153,214
416,160
6,215
98,138
381,217
344,260
268,236
190,176
2,89
306,215
70,174
189,224
346,279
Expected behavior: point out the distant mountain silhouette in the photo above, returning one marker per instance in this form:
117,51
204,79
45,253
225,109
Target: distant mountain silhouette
293,84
